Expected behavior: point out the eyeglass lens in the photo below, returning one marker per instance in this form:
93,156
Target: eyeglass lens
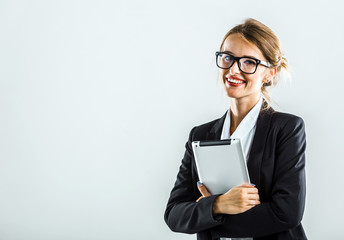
247,65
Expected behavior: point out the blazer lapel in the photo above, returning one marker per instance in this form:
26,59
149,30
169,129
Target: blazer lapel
216,130
258,145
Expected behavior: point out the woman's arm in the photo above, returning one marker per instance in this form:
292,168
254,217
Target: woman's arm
286,207
183,213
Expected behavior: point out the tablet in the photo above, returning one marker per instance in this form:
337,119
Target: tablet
221,164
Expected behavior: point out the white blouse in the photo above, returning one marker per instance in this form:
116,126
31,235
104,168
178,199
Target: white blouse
245,131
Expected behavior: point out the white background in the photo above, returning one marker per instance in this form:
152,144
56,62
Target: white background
80,80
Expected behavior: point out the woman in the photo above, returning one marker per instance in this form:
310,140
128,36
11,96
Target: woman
249,61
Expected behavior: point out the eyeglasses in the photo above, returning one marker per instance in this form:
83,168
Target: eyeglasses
247,65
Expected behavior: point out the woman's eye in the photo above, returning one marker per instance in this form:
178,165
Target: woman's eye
228,58
249,62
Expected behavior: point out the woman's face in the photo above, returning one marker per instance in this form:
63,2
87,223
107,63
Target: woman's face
246,86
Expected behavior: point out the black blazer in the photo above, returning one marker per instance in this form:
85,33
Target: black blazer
276,165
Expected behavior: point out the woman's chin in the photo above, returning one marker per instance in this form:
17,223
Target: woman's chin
232,92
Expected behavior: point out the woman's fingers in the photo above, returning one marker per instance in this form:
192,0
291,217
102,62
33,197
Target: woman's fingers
253,202
251,190
203,190
253,197
246,185
248,191
199,198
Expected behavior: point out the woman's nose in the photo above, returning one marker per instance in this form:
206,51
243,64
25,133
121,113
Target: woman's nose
234,68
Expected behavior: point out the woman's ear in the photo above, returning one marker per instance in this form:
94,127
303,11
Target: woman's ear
271,73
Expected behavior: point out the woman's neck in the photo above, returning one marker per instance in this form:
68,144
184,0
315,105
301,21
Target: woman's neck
239,109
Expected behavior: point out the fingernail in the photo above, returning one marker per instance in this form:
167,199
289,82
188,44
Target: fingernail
199,183
253,184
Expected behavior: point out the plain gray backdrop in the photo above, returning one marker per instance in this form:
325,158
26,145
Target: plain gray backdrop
97,99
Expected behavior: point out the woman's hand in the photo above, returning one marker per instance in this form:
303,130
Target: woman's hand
237,200
203,190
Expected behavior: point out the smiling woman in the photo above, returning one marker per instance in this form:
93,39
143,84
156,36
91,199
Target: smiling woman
250,59
257,40
244,77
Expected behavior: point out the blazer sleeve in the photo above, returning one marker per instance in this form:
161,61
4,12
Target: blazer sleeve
285,209
183,213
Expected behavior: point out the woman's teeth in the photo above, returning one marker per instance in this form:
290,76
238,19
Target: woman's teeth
234,80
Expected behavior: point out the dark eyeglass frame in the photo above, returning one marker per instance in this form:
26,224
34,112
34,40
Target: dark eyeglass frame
237,59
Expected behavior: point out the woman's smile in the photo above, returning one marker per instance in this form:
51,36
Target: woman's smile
234,81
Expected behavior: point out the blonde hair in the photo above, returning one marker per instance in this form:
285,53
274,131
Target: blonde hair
267,42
